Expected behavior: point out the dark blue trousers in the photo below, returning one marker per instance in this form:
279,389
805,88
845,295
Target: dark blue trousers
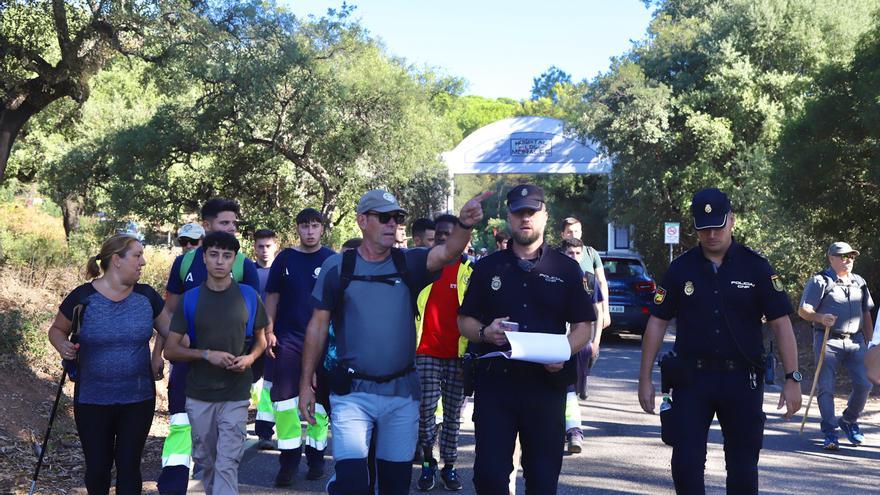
505,405
739,409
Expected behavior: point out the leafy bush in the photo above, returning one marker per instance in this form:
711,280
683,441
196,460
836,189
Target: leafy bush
159,261
31,240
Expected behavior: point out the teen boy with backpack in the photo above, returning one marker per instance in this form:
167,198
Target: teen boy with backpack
189,271
224,322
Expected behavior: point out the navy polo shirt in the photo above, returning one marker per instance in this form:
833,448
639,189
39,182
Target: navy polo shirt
292,277
541,300
713,303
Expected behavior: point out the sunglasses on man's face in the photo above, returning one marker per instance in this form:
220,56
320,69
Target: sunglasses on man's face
847,256
186,241
399,218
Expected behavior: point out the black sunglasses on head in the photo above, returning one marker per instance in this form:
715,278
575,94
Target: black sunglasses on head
399,218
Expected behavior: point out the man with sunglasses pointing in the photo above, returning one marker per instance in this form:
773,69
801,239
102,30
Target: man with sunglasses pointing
838,298
369,295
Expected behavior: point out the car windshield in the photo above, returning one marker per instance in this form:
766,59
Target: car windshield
622,268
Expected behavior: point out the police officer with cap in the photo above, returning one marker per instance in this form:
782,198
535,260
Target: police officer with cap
718,291
541,290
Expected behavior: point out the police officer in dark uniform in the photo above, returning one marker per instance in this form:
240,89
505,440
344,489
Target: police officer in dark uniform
718,291
541,290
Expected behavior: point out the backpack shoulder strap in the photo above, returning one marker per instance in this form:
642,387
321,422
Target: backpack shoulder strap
830,284
399,259
346,273
190,299
250,300
238,267
186,263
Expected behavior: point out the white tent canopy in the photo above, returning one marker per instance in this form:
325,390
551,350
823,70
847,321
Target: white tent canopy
530,145
525,145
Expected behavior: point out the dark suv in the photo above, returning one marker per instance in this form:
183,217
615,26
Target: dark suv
630,291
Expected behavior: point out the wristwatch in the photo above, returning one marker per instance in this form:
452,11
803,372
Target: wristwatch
794,375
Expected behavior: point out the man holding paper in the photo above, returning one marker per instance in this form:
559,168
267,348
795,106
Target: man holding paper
539,289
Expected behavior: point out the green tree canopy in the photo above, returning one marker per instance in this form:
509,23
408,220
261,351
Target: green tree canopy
279,113
51,49
701,102
829,157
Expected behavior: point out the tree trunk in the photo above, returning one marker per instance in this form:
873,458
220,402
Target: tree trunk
11,122
71,208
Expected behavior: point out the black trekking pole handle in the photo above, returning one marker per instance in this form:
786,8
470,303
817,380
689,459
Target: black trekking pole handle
48,432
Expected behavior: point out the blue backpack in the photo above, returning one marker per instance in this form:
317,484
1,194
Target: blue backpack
191,298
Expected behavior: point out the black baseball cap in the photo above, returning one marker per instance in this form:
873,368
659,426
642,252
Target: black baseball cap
525,196
710,208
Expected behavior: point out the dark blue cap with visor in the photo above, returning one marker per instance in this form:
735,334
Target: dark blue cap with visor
710,208
525,196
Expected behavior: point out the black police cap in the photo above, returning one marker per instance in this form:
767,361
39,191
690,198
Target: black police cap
525,196
710,208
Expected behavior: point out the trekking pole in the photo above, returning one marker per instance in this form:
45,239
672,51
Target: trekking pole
816,376
48,432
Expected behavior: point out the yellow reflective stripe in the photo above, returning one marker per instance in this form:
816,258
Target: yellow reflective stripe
265,411
287,424
316,434
178,444
464,279
572,411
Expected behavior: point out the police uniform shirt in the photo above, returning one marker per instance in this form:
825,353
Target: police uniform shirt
711,302
541,300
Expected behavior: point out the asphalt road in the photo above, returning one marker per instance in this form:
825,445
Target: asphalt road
623,452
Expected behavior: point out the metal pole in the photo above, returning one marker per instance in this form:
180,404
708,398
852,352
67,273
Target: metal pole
670,254
48,432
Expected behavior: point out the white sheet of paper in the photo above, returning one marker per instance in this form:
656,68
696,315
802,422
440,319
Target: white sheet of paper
541,348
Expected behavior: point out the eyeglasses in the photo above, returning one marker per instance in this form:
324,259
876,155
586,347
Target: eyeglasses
186,241
399,218
846,256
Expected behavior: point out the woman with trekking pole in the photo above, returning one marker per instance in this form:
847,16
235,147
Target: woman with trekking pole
115,395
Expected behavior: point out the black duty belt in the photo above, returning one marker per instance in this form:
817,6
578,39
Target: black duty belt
501,366
721,365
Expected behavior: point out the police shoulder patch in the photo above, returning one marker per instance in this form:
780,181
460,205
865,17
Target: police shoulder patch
660,295
777,284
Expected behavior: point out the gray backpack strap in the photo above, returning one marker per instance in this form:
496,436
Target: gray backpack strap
830,284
